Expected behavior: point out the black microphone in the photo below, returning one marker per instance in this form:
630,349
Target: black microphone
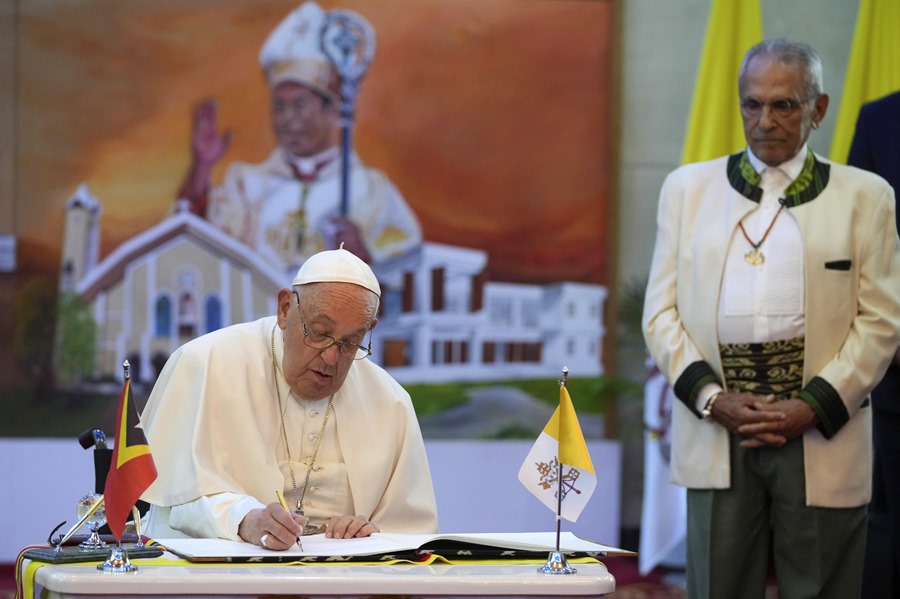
92,437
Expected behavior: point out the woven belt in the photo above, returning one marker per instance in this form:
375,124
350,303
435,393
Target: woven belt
771,367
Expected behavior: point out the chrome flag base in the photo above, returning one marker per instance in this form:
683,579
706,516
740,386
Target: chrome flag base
117,562
557,564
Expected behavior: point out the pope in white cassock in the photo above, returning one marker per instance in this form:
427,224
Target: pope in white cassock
290,404
288,207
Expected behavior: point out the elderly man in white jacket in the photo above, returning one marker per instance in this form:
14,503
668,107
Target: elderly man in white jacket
773,308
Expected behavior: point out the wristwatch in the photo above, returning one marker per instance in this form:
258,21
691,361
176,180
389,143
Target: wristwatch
707,409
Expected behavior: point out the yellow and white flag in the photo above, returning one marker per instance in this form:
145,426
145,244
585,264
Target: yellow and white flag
873,70
561,442
714,126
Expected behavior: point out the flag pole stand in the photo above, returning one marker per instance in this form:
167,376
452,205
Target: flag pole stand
557,564
117,562
556,560
136,514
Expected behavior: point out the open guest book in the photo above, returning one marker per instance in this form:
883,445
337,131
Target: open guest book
391,547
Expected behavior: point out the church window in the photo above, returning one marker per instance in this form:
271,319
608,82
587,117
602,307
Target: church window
163,316
213,314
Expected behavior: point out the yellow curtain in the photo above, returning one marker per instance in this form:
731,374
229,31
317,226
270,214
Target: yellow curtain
714,126
873,70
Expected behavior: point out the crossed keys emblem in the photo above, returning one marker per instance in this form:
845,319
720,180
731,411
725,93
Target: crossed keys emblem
550,476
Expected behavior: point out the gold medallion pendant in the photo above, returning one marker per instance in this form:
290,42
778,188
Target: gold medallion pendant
754,257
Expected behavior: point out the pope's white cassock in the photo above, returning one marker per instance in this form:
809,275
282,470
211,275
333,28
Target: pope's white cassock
214,428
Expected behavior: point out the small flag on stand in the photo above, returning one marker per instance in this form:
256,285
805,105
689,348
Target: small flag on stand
132,469
558,469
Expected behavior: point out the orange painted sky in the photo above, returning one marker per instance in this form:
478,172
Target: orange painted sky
492,117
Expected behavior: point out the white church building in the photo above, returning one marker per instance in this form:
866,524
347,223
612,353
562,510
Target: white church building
440,319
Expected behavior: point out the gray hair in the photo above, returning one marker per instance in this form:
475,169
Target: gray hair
311,292
788,53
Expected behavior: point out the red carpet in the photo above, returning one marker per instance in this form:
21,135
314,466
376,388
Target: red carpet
7,581
659,584
631,585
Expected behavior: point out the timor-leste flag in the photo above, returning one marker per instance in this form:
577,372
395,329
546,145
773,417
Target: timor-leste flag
558,469
132,469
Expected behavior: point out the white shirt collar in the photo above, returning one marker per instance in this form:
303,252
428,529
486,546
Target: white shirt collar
791,168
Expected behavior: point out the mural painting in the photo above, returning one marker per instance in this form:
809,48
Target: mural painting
166,190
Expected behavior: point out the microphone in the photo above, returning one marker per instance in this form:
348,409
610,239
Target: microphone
92,437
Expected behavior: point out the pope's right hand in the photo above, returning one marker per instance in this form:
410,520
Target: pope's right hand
280,527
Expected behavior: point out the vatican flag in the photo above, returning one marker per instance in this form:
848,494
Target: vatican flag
558,469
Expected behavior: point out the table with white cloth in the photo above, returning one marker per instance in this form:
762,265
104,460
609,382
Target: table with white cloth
171,576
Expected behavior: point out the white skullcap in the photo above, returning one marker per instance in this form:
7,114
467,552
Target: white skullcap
293,52
337,266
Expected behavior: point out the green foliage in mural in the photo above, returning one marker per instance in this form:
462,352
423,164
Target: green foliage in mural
77,340
35,308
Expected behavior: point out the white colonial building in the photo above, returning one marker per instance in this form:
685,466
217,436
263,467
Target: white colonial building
440,319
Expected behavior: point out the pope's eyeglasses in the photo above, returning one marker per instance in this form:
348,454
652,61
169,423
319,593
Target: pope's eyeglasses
782,108
321,341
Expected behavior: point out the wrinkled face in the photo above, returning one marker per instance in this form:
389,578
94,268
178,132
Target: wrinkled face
343,311
303,121
777,116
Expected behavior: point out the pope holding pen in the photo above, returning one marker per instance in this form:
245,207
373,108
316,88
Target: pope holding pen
292,523
284,505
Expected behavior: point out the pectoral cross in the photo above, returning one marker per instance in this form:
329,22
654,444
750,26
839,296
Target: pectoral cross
297,218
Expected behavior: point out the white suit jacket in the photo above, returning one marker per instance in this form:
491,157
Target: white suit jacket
852,281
